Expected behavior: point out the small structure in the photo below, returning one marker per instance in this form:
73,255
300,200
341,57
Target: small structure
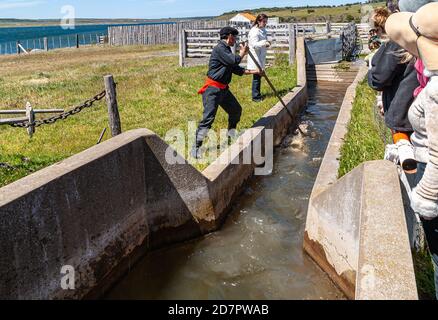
244,18
273,21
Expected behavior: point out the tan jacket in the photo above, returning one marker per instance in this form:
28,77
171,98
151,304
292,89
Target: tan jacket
423,116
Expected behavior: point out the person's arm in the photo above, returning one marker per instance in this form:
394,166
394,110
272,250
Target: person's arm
424,199
237,70
249,72
385,65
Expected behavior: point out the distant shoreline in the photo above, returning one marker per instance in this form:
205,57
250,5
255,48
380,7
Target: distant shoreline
17,23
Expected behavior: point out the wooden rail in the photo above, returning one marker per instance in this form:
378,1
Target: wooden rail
199,43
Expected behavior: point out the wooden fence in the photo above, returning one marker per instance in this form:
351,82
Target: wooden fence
199,43
156,34
363,30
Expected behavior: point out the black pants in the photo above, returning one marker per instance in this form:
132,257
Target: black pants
212,98
430,230
256,85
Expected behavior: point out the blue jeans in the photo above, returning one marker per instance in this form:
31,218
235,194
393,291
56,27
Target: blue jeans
431,230
256,85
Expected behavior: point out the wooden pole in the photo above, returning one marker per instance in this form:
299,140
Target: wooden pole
77,41
18,47
46,44
292,47
329,27
113,108
101,136
182,48
30,115
181,58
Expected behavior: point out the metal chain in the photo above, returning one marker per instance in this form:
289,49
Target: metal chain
87,104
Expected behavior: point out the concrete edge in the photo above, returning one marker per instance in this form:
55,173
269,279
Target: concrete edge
38,179
327,177
328,172
385,263
341,238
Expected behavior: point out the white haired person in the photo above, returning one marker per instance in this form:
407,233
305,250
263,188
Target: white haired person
418,33
258,44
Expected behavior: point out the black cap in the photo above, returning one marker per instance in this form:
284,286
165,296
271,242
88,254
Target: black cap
227,31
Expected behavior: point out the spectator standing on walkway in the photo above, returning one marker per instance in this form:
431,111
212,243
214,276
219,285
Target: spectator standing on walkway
258,44
393,73
418,33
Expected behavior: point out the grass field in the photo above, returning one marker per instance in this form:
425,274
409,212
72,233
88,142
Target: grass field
342,13
153,92
363,141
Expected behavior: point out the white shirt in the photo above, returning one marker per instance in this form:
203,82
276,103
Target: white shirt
258,42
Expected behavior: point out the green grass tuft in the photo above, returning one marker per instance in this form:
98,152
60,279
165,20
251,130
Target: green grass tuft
363,141
424,275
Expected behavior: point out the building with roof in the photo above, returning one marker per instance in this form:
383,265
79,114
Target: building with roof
243,18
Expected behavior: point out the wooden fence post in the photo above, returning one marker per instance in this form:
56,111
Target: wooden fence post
30,115
182,47
328,27
46,44
113,108
292,46
77,41
18,47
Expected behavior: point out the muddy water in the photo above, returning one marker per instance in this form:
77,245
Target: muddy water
258,253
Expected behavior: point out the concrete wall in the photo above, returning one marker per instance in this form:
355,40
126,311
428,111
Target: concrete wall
89,211
103,209
353,232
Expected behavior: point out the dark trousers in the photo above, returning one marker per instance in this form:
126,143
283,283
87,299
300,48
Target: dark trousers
256,85
430,230
212,98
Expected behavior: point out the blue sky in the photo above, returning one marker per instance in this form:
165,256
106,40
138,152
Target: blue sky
39,9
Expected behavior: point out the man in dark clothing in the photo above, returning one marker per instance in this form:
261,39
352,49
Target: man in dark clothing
223,64
398,81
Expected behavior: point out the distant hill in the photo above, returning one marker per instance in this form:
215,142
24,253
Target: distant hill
342,13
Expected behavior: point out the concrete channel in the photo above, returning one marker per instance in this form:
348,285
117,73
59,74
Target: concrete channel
125,219
258,253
